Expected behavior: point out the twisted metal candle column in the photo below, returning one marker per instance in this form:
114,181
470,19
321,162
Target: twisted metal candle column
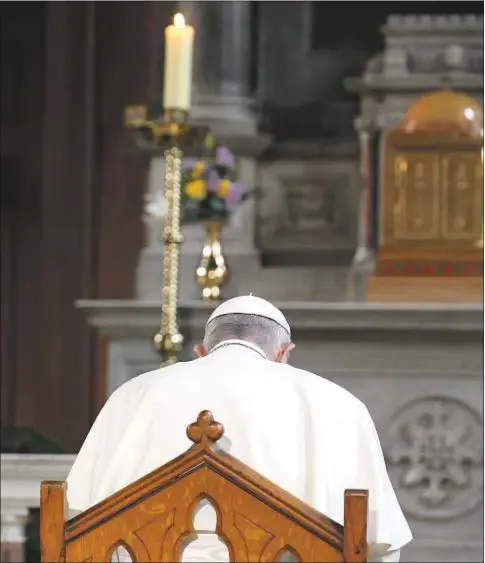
169,341
173,133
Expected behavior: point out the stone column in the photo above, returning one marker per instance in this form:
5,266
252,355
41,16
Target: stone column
220,92
364,251
13,522
363,262
148,284
236,35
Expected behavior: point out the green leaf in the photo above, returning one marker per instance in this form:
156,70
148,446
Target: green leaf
191,209
24,440
209,142
217,204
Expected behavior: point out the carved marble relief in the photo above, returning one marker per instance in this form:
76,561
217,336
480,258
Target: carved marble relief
311,206
435,457
308,210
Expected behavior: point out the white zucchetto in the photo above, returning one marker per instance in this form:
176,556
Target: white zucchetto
250,305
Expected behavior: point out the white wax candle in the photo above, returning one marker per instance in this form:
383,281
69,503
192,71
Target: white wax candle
179,42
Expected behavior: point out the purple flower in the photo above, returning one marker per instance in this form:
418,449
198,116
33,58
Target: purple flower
212,181
234,197
188,163
225,157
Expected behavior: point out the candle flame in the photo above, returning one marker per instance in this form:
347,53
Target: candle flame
179,20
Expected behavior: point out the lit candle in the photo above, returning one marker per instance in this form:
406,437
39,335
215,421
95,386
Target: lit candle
179,42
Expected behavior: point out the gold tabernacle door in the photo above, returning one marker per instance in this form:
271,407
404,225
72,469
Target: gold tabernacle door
430,196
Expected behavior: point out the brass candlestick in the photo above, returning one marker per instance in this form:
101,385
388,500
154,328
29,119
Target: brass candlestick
173,134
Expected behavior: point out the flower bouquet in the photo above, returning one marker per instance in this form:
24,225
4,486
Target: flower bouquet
211,192
210,187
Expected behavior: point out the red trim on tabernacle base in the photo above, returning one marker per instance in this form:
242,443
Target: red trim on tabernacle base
437,268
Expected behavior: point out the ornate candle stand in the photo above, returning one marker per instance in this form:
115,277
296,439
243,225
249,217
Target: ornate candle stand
173,134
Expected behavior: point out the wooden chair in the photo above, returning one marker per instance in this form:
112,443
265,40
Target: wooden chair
152,518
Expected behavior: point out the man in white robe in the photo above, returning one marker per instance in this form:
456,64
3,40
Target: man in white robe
301,431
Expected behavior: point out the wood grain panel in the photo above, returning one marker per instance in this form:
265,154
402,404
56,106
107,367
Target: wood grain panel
129,66
74,228
7,310
126,74
67,171
23,55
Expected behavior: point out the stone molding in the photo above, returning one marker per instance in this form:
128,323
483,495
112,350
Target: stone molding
21,475
118,317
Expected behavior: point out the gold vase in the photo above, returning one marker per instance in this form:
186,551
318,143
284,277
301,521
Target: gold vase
212,273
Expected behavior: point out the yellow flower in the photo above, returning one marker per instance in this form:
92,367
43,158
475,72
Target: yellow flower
196,189
198,169
223,188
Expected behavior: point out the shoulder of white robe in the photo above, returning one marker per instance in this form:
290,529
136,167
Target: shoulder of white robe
90,457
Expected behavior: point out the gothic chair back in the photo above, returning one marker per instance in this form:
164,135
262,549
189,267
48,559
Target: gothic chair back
152,519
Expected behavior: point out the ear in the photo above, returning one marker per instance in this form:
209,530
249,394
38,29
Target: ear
284,353
200,350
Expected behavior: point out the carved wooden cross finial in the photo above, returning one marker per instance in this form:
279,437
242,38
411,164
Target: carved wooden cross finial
206,430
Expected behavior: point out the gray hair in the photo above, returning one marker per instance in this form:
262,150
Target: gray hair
261,331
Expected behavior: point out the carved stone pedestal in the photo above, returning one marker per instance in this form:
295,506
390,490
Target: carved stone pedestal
21,475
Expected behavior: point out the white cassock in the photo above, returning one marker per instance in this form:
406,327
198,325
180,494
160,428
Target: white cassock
304,433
